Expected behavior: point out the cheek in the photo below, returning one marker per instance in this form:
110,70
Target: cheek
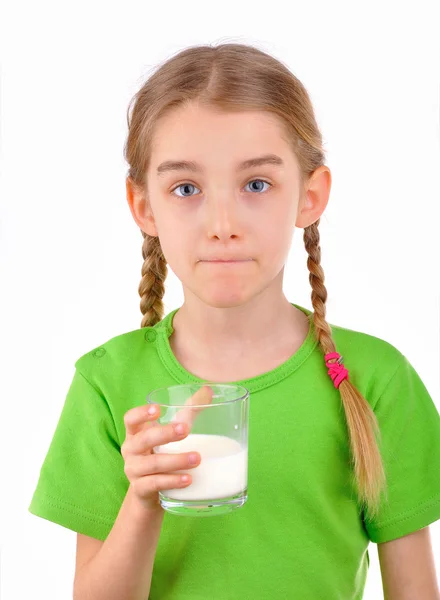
177,248
172,246
276,238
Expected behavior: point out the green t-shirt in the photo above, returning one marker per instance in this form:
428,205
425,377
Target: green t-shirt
300,535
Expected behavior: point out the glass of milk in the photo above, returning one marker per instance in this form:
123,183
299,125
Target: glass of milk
218,419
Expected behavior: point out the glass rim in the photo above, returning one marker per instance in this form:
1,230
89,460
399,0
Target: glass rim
200,385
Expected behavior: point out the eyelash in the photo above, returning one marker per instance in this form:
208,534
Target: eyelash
189,183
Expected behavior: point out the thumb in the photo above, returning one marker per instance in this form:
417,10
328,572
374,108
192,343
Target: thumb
187,414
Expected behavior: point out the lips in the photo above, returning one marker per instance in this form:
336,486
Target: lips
226,263
226,260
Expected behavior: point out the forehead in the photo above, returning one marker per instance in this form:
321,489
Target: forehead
204,130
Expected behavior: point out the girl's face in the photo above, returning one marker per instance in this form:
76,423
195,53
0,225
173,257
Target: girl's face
219,208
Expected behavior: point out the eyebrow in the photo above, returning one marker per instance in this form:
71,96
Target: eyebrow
185,165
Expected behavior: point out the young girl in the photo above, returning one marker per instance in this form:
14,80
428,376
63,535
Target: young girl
344,439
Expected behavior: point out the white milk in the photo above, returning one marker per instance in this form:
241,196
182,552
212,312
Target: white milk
221,473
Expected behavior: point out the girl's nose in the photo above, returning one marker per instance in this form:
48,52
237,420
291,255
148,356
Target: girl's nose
222,217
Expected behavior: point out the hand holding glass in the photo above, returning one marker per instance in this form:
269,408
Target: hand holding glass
218,418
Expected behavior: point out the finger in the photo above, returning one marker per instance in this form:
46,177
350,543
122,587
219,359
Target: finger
140,466
188,415
145,441
157,483
138,417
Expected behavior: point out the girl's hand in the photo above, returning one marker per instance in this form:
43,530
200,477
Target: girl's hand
147,471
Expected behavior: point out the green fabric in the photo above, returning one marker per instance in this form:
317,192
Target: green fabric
300,535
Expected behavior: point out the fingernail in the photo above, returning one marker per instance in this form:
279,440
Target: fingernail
151,411
179,428
193,458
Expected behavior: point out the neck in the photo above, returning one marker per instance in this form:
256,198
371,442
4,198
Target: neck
260,325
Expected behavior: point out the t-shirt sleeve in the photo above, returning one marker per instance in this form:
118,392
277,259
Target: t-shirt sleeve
410,447
82,482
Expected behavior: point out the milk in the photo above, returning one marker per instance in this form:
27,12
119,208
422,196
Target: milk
221,473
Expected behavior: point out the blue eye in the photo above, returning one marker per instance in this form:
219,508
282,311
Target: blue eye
181,185
261,181
186,185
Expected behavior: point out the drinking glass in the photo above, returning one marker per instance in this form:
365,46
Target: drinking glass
218,418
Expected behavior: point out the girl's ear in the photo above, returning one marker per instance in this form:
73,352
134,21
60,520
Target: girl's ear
314,198
140,208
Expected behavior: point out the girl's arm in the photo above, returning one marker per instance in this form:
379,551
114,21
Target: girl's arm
122,568
408,568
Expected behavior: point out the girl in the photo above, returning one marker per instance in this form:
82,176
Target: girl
344,439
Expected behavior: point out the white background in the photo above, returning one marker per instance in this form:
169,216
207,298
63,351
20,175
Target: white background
71,252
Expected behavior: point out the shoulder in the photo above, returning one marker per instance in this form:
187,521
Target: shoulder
119,353
360,347
372,361
365,346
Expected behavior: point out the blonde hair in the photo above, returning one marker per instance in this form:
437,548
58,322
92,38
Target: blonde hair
238,77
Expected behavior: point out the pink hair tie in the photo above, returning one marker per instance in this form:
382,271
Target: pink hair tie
336,370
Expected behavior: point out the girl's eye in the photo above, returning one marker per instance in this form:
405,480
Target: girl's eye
190,185
259,181
183,185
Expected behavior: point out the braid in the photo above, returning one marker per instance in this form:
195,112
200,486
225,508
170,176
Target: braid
151,288
361,421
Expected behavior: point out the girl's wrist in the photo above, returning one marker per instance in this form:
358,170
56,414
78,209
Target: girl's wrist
143,510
